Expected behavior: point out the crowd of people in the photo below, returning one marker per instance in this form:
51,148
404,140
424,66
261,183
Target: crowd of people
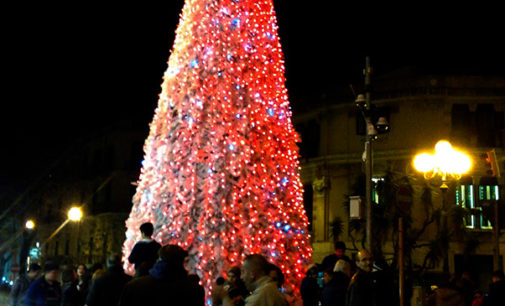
161,279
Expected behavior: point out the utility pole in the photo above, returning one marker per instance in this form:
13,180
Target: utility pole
381,126
401,283
370,134
496,237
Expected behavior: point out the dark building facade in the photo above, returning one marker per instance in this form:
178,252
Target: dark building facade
468,111
97,174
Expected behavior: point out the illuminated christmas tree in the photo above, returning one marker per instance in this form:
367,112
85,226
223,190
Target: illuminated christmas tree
220,175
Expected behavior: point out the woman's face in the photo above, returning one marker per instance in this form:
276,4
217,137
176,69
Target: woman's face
81,270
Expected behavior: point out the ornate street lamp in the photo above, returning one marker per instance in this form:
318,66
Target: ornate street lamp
446,163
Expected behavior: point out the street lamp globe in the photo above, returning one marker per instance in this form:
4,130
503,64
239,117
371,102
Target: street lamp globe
446,161
423,162
75,214
30,224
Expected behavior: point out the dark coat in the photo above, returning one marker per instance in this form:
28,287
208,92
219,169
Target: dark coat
310,291
74,294
496,295
18,291
361,290
106,290
446,297
143,255
335,290
42,293
165,285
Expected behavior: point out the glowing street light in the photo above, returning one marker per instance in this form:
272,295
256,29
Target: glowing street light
75,214
446,162
30,224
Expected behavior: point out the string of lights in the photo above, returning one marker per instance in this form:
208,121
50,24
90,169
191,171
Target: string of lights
220,175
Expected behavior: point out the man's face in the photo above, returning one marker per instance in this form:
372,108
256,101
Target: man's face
339,253
33,274
364,261
247,275
52,275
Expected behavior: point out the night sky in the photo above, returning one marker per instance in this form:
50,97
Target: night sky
72,69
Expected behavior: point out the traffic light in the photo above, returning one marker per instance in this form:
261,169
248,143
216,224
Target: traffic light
492,168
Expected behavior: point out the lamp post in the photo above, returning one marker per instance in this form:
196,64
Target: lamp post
74,214
372,128
446,163
28,234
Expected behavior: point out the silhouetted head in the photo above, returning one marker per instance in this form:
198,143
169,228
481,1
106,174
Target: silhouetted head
51,271
254,267
233,274
173,254
147,229
276,274
340,248
34,271
114,260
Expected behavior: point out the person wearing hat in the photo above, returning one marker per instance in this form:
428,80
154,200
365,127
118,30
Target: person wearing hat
166,284
330,260
22,283
46,289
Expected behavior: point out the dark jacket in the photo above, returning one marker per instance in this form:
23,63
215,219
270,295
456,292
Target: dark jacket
74,294
42,293
18,291
106,290
446,297
335,290
166,284
361,291
496,295
143,255
310,291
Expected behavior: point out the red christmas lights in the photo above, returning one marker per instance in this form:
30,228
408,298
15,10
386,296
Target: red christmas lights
220,175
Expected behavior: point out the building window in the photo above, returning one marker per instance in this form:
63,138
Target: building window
487,193
462,124
465,198
376,186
